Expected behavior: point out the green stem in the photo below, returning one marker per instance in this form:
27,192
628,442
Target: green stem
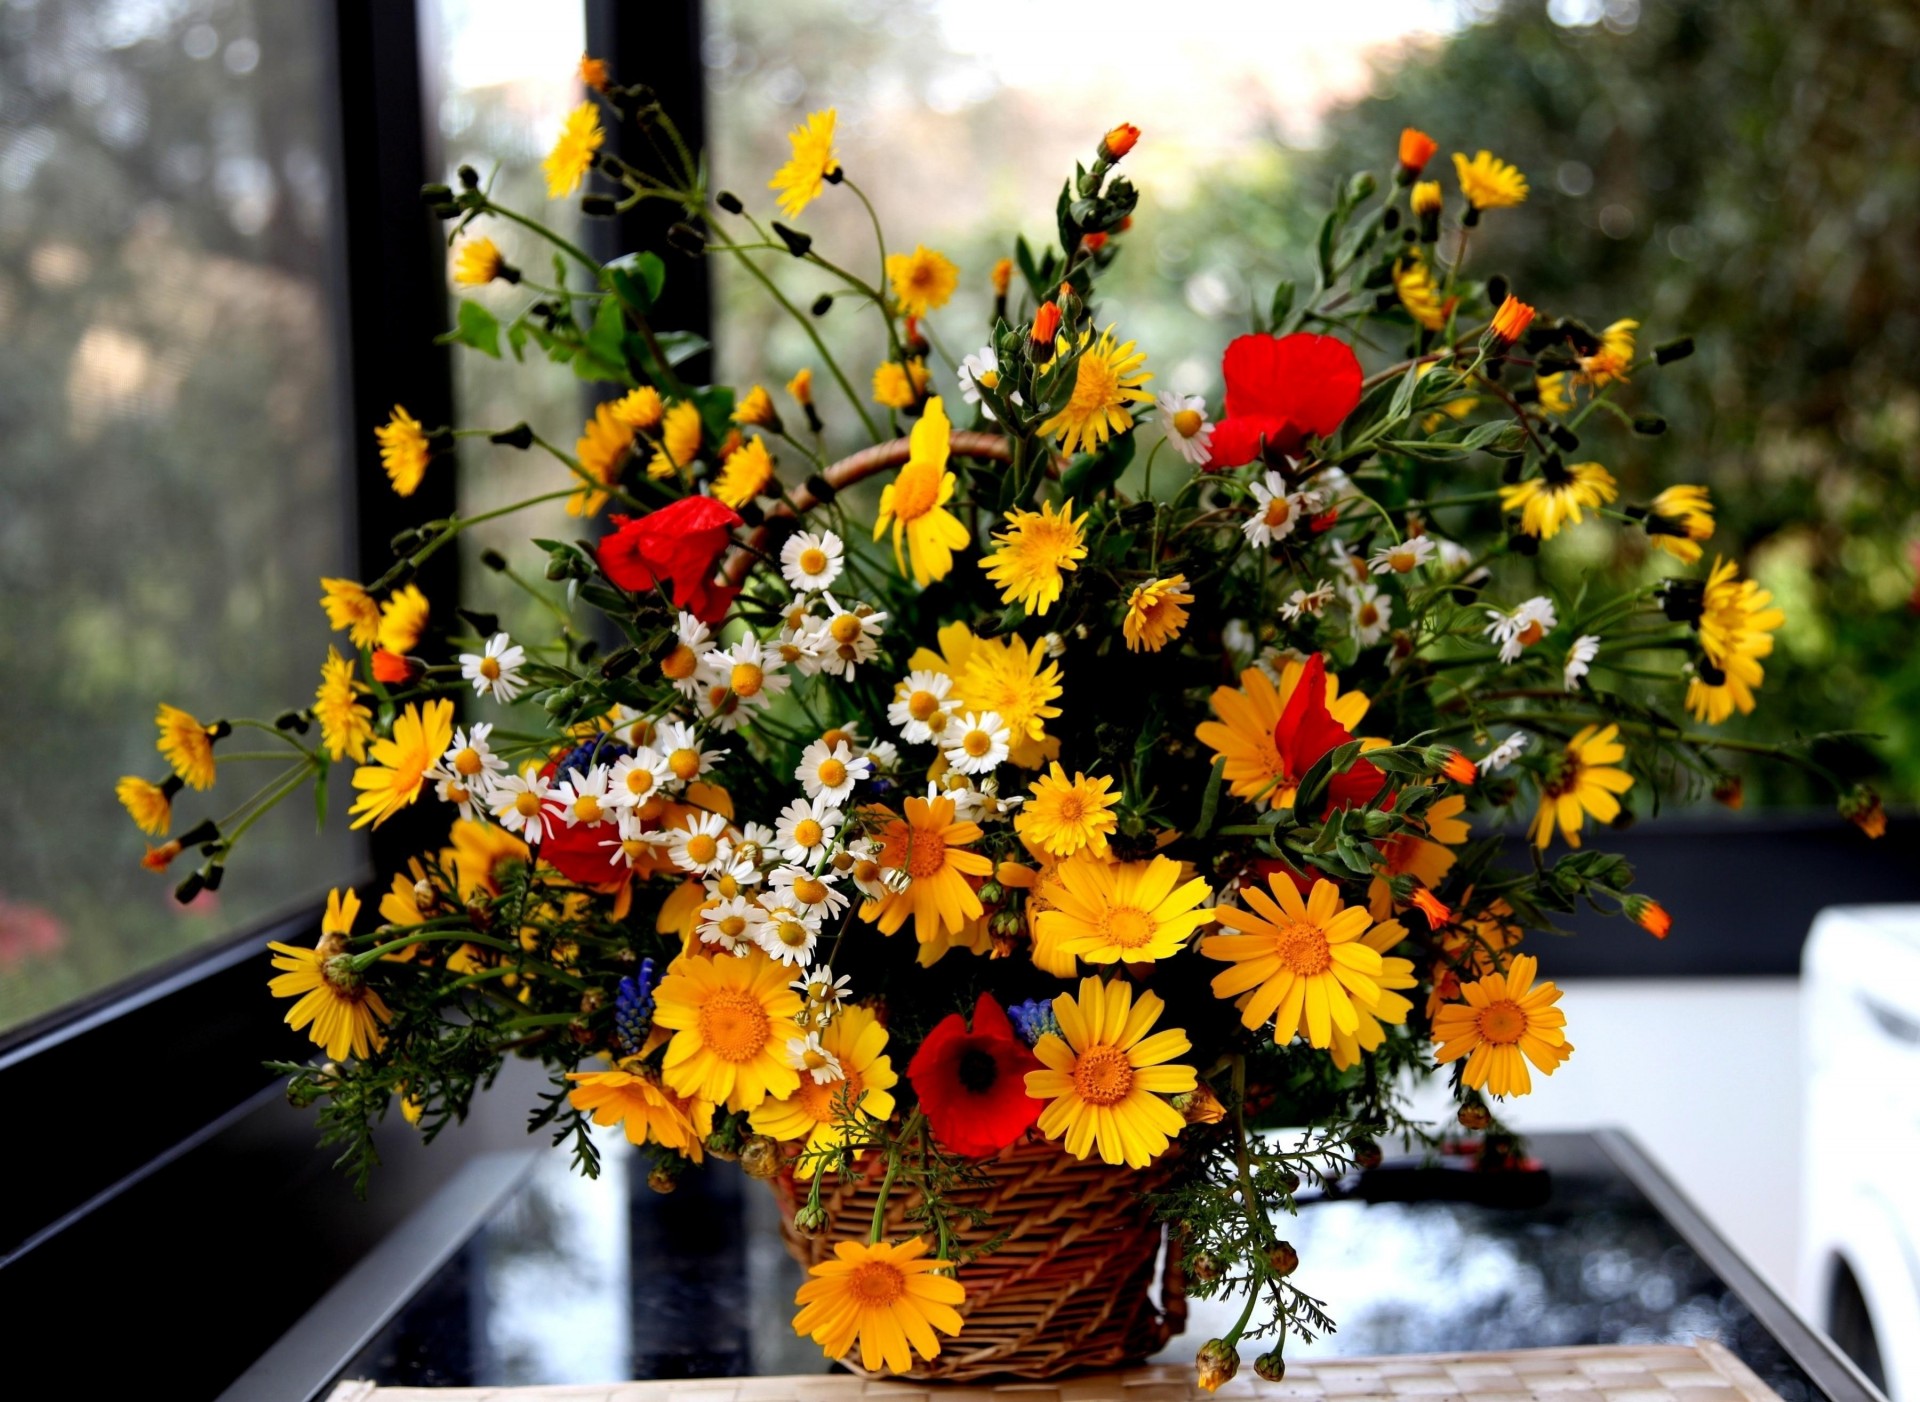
549,235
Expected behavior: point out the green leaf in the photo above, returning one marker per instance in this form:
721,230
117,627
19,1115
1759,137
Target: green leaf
604,356
638,278
474,326
1092,473
1282,307
1210,800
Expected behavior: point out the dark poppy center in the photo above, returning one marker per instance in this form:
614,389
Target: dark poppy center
978,1070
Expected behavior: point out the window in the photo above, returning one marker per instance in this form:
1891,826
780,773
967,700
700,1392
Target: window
173,485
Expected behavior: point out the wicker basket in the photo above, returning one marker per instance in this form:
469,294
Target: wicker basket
1069,1287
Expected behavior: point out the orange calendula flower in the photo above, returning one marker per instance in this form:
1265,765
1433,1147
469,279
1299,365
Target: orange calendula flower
1505,1021
593,73
1135,912
400,764
1107,1075
1046,324
731,1020
1002,277
404,451
1510,323
923,280
350,606
1416,149
602,449
1649,915
929,850
889,1299
1066,816
631,1095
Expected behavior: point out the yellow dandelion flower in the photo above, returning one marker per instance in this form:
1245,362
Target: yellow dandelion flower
580,140
1678,519
1066,816
1105,1080
680,436
399,764
930,850
1106,912
923,280
631,1096
403,619
404,451
799,181
150,805
343,1014
1489,182
1413,284
593,73
731,1020
1426,197
899,386
817,1114
915,502
801,386
1302,961
345,725
1016,681
1107,379
1580,781
1395,974
1156,612
602,449
477,262
1614,360
1506,1021
746,474
1556,392
187,746
1559,498
640,409
889,1299
350,606
1034,550
755,410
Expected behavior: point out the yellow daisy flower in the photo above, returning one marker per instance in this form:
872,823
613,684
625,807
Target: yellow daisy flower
399,764
1066,816
480,857
345,725
930,849
1559,497
1413,284
631,1096
641,408
1303,961
923,280
477,262
1582,781
1614,360
602,449
745,475
730,1019
1489,182
915,502
187,745
573,152
1156,612
1505,1022
1244,732
1736,631
1426,859
1394,974
1678,519
1016,681
150,805
1135,912
799,181
344,1014
1556,393
403,618
404,451
814,1114
898,386
350,606
1107,379
1035,549
1105,1080
890,1299
680,433
755,410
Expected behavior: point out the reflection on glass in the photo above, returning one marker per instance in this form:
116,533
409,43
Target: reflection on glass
171,490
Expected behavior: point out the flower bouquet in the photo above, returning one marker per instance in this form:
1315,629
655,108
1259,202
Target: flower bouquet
980,795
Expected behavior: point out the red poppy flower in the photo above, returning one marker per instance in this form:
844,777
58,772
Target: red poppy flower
575,849
1279,390
1306,731
678,545
973,1085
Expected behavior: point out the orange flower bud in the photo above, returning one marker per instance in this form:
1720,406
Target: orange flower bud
1002,277
1416,149
1093,243
161,857
1046,324
1862,808
1649,915
1459,768
390,668
593,72
1432,907
1730,791
1116,143
1510,323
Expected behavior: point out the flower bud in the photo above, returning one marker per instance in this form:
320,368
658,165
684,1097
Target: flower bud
1649,425
1510,323
1730,791
1271,1366
798,244
810,1219
1366,1153
759,1156
1200,1106
1002,276
1452,763
1117,142
1205,1268
1861,807
1215,1364
1648,914
729,201
1474,1116
1416,149
1671,351
1046,325
1427,198
663,1179
519,436
390,668
822,304
295,721
1283,1259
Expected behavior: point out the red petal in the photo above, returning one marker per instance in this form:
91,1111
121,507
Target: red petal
1305,382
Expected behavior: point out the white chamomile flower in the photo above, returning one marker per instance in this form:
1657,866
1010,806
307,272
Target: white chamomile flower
1403,558
469,796
1372,614
815,894
922,706
829,772
804,830
735,876
679,745
862,857
1580,657
729,924
1522,628
977,744
635,841
741,678
465,774
681,665
495,672
1347,561
806,1054
701,845
1452,559
883,755
787,932
1185,420
982,368
1504,753
811,562
755,845
520,803
1237,638
851,636
803,645
583,798
1307,603
824,993
1277,512
638,778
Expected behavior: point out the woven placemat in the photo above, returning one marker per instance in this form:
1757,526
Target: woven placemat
1704,1372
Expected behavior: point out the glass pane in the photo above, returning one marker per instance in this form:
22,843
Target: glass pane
171,492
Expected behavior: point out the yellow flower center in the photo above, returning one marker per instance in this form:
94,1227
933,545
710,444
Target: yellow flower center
922,704
467,762
490,668
1302,947
1369,614
527,805
1070,807
1277,512
809,890
726,887
1402,561
938,721
791,933
634,850
587,808
684,763
1187,422
916,491
817,1099
1531,634
989,378
831,773
1502,1022
1102,1076
733,926
457,794
808,833
640,781
733,1025
702,848
866,871
813,560
845,628
926,854
977,743
678,665
876,1285
1097,385
1128,927
746,679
